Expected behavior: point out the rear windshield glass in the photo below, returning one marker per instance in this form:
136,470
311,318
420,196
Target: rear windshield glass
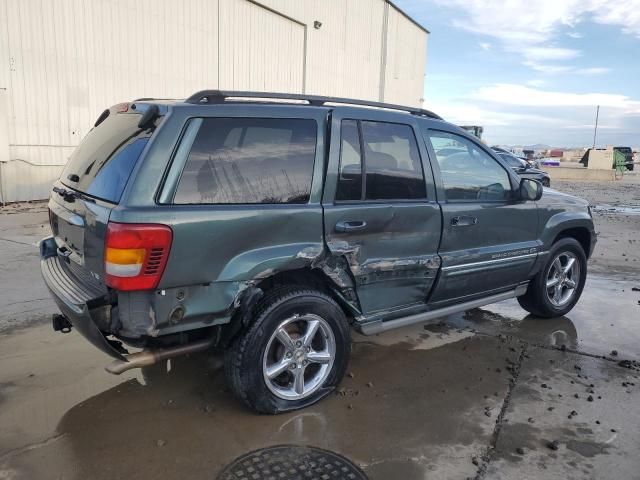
103,162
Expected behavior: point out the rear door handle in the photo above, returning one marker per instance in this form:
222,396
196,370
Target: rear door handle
463,221
350,226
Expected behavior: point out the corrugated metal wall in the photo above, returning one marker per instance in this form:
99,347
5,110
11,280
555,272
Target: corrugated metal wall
63,61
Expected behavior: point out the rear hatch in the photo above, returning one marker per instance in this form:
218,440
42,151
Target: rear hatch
93,181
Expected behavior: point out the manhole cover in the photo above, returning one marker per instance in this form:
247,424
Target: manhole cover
290,462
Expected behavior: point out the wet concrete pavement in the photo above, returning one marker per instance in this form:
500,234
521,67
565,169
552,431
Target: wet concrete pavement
455,399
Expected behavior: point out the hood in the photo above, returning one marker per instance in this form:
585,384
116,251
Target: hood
530,170
554,197
536,171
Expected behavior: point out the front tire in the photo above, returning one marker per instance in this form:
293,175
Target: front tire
556,289
293,354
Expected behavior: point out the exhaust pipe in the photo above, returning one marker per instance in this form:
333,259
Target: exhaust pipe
60,323
146,358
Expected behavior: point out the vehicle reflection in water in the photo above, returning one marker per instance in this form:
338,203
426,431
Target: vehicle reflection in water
554,332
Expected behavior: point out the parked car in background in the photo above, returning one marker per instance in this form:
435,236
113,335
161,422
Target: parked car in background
268,231
523,168
530,160
628,154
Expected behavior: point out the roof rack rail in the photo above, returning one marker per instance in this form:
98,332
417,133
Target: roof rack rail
221,96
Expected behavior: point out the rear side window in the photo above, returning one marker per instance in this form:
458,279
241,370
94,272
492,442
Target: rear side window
249,160
103,162
391,162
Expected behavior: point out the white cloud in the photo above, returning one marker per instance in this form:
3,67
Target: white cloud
485,45
566,120
547,67
522,95
467,113
590,127
574,35
550,68
550,53
515,22
592,71
536,82
625,13
528,28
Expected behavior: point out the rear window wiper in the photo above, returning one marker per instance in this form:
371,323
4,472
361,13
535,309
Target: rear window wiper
71,195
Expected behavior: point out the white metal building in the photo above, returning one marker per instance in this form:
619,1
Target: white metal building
62,62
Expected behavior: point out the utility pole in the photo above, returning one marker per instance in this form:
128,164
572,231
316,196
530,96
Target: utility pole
595,130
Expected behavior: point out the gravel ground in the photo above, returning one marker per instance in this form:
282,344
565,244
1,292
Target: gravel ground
617,219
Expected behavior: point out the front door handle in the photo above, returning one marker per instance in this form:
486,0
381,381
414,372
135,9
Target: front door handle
350,226
463,221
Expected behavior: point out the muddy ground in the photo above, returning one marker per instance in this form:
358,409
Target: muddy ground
482,394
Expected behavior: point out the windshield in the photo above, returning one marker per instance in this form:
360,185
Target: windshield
103,162
513,162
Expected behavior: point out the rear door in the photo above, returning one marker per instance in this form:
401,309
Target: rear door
489,238
380,211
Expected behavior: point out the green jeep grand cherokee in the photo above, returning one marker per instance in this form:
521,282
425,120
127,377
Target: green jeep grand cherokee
268,225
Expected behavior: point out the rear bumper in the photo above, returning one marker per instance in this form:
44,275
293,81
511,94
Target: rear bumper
72,293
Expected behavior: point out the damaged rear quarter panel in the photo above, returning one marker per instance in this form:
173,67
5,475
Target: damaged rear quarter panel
217,251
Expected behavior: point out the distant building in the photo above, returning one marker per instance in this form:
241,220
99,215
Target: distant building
573,155
556,153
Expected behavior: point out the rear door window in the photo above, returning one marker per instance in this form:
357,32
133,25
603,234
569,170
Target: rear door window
104,160
249,160
350,178
392,162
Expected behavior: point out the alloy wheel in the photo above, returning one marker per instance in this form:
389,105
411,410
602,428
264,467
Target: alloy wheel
298,357
562,279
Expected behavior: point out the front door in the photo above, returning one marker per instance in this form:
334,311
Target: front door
489,239
379,212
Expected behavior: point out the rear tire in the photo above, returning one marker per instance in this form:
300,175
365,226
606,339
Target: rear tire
556,289
293,354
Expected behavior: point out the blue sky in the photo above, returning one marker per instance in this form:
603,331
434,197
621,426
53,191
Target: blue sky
533,71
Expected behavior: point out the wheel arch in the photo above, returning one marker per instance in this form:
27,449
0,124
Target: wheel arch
581,234
328,280
570,224
319,279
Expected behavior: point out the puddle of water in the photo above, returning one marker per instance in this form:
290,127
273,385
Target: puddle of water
96,417
606,318
617,209
44,374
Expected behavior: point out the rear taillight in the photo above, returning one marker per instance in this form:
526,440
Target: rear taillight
135,255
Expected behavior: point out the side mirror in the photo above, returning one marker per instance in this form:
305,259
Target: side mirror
530,189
